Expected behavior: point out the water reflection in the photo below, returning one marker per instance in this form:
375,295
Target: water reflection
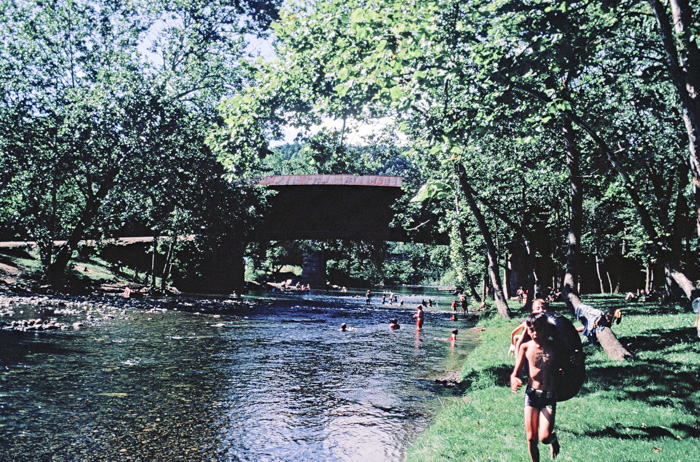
277,381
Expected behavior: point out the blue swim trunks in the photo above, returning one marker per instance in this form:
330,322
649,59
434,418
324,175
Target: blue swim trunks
539,399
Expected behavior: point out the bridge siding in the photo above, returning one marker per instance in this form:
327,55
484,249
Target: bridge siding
332,180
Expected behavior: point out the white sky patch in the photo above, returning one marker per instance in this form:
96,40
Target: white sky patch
259,47
356,132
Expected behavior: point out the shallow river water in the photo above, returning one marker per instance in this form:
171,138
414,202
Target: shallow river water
273,380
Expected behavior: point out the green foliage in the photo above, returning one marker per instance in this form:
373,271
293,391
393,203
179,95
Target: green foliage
104,111
487,85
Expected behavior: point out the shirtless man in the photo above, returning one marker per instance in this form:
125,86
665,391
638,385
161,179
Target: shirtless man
540,404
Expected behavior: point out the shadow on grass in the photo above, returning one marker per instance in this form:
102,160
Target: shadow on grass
487,377
654,382
659,339
620,431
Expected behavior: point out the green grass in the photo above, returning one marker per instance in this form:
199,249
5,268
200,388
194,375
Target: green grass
645,409
85,272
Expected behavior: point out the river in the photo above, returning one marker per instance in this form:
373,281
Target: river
272,379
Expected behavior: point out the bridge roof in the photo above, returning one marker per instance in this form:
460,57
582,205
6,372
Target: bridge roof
331,180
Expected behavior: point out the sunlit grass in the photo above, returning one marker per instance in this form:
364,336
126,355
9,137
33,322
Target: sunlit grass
640,410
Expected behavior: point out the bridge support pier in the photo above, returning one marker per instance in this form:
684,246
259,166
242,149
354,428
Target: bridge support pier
313,270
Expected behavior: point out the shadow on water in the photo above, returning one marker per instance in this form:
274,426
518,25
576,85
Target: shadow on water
16,346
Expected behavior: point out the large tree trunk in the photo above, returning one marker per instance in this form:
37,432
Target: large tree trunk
608,340
56,271
492,255
686,285
570,292
669,256
684,67
612,345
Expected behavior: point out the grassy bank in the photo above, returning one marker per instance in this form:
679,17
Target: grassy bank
645,409
21,270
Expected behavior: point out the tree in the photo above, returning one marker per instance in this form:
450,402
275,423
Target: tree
549,77
88,119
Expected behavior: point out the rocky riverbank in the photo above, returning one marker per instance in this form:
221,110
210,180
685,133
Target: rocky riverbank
38,312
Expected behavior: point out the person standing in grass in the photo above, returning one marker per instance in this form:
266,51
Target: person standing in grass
540,404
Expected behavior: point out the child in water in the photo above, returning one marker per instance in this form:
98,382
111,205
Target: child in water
419,316
540,404
394,324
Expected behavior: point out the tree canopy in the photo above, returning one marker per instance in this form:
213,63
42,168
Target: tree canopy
104,112
533,117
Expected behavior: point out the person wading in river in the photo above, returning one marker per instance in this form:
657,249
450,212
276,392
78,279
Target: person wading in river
419,316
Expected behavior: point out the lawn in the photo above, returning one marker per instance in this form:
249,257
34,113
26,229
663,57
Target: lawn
644,409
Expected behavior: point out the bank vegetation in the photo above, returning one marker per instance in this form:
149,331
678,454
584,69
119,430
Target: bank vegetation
641,410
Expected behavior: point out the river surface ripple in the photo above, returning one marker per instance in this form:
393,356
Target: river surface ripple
270,381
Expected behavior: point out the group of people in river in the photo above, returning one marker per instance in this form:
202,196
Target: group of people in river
419,315
387,297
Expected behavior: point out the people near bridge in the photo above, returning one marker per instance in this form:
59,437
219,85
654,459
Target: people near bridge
419,316
650,296
394,324
553,295
368,297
